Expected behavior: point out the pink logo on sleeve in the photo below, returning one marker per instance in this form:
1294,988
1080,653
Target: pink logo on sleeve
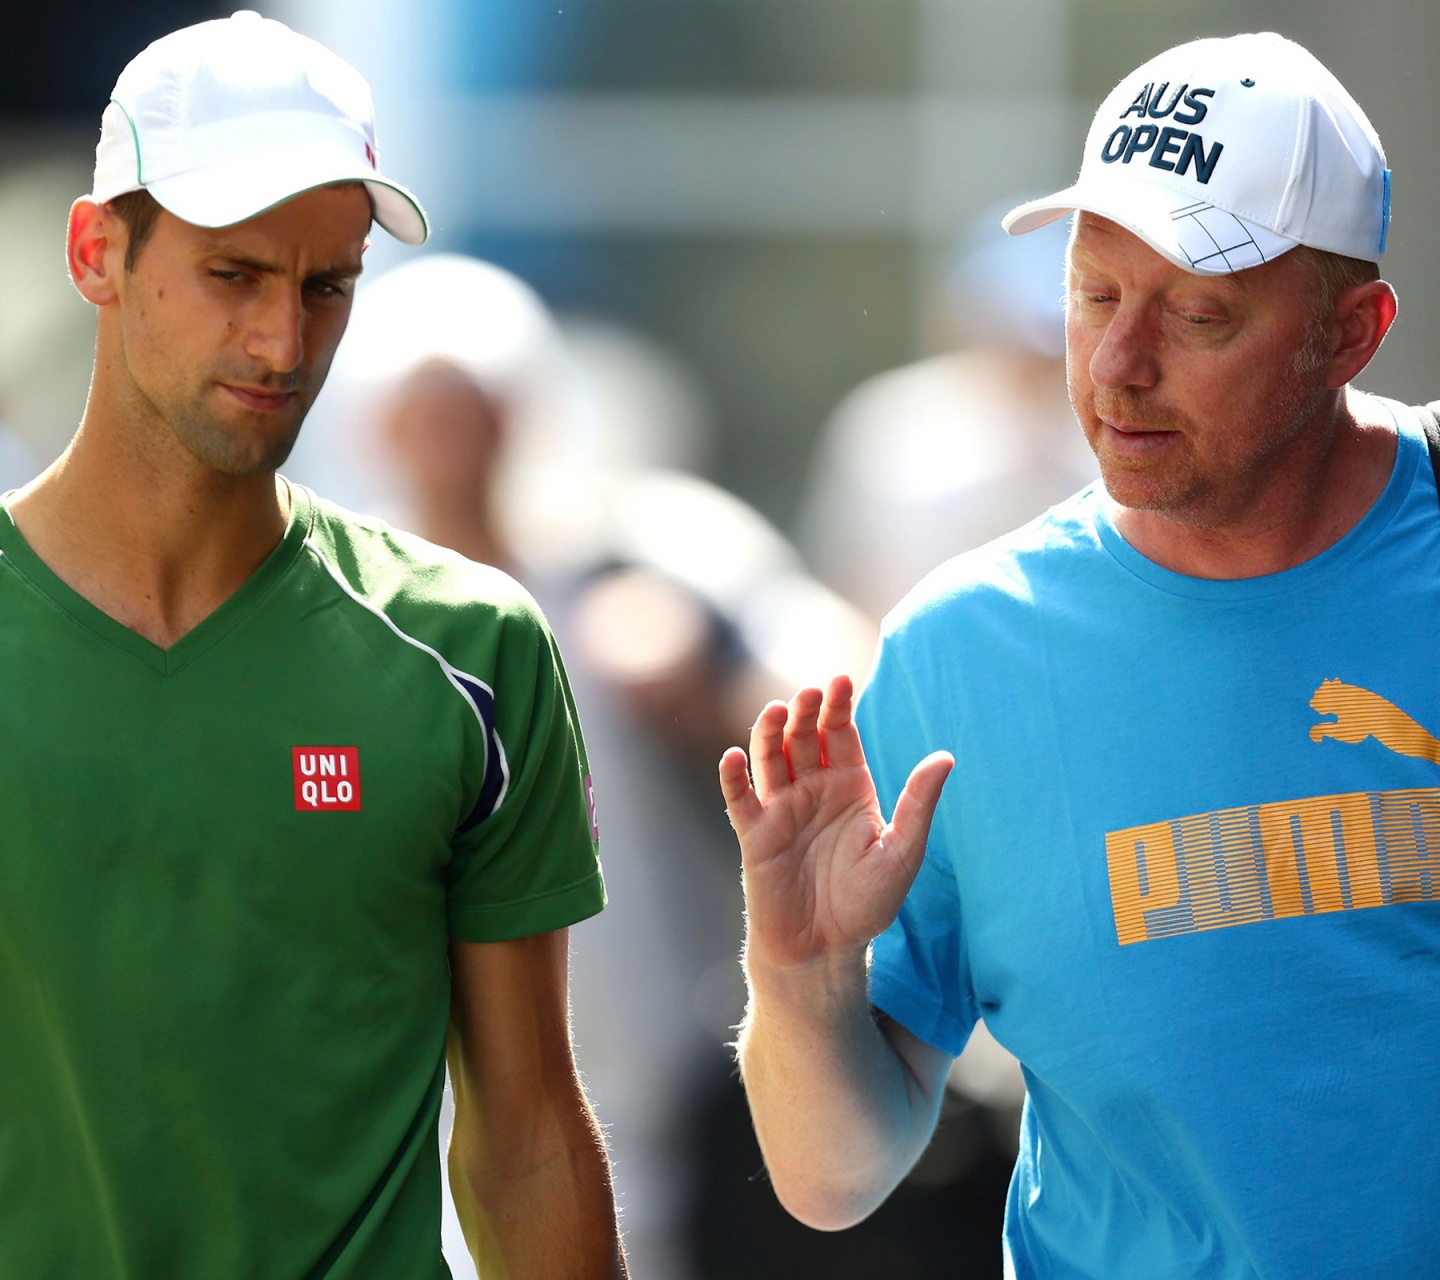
589,785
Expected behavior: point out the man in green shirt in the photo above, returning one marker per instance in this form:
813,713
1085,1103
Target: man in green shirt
289,800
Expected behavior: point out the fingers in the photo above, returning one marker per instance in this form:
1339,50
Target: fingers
915,808
802,741
741,802
839,737
767,750
811,731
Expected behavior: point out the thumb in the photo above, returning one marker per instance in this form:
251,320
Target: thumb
915,809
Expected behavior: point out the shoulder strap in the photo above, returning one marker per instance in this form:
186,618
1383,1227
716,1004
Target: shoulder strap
1429,415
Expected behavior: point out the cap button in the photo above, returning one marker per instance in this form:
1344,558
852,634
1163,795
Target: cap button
244,13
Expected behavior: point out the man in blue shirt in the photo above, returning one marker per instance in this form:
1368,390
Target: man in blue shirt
1187,866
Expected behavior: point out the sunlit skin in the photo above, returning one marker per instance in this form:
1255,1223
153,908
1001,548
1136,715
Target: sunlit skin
225,336
1226,455
208,355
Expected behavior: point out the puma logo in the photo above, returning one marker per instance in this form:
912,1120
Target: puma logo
1360,714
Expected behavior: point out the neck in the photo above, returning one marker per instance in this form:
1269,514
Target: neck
154,543
1330,476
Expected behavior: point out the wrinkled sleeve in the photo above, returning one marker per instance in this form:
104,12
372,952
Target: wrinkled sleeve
917,973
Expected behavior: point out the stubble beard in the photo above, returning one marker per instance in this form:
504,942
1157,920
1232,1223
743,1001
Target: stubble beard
229,453
1189,488
231,449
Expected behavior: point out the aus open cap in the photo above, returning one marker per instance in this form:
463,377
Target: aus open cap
222,120
1222,154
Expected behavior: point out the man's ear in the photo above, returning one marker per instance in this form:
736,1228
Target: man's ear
1362,317
95,241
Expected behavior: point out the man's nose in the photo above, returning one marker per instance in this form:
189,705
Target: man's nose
277,329
1127,354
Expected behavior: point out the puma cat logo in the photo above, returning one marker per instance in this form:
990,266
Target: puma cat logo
1360,714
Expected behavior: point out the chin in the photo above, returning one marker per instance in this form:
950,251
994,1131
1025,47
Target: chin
240,461
1144,490
272,457
233,451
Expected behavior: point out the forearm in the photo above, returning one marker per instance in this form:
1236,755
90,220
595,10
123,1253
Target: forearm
842,1106
534,1194
839,1113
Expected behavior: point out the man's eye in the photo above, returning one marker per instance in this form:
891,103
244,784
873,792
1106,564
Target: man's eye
232,277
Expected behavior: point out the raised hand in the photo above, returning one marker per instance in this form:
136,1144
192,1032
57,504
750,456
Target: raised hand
823,871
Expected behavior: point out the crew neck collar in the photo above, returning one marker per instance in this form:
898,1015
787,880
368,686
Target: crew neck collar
1409,448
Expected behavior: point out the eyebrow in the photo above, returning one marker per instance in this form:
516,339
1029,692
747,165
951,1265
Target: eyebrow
341,271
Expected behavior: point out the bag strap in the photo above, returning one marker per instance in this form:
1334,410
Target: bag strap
1429,415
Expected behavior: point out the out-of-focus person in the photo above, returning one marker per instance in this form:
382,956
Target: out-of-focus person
463,410
920,463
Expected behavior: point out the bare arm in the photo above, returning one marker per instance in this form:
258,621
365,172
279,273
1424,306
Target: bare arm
843,1102
528,1167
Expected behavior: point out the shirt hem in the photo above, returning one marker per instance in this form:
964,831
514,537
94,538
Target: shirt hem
918,1017
524,917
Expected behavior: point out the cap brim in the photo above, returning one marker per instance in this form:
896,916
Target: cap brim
1195,236
241,188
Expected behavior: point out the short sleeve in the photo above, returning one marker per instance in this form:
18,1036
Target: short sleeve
526,860
917,971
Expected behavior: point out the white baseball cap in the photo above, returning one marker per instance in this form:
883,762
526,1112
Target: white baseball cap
1222,154
225,119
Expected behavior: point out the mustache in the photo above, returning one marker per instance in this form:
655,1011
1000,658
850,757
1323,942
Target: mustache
263,379
1123,405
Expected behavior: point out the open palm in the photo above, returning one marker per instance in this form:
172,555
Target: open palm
823,871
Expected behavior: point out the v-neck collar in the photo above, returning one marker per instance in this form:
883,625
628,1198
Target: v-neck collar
16,552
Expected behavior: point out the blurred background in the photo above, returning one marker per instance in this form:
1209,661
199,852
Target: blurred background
768,187
743,354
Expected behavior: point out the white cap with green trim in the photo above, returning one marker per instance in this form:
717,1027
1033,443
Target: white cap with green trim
225,119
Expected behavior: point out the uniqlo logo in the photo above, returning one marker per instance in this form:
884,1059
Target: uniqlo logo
327,779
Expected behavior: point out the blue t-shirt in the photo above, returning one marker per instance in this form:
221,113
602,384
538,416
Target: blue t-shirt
1187,870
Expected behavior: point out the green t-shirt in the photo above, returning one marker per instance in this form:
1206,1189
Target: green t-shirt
228,872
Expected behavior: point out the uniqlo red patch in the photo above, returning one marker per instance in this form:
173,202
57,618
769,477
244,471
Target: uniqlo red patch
327,779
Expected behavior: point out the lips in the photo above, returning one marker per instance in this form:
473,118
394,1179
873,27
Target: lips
1133,439
1137,429
260,399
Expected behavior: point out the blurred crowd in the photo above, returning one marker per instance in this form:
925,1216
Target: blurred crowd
572,452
